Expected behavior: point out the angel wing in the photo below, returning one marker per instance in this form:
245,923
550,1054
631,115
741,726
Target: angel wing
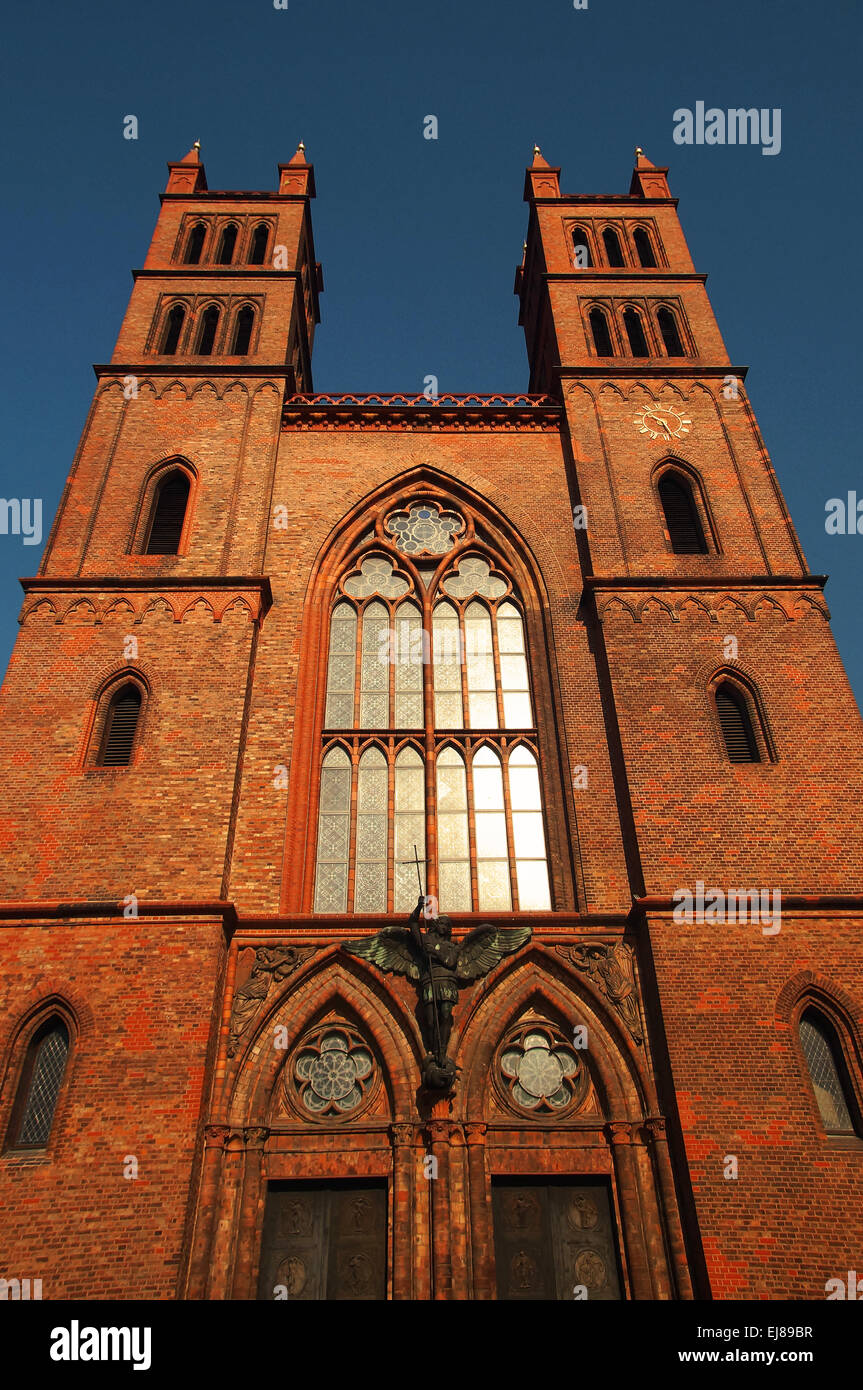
485,946
392,950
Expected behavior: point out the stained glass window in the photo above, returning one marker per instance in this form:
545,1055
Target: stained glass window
410,826
370,889
492,856
453,834
469,627
47,1065
334,824
424,530
821,1050
341,676
528,834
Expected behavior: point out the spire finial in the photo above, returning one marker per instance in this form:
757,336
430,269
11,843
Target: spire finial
302,147
638,152
197,146
536,150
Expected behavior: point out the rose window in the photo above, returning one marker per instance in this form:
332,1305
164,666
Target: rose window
541,1070
333,1072
424,530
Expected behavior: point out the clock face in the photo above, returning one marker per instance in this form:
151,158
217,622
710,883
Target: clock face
662,422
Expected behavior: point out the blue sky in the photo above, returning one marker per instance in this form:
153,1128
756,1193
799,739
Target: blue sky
419,239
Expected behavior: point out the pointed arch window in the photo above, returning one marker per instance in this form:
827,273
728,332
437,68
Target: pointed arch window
828,1073
644,249
170,500
173,328
670,332
635,333
735,720
243,331
682,521
121,725
39,1086
195,244
613,253
260,237
227,243
442,758
580,249
601,335
207,334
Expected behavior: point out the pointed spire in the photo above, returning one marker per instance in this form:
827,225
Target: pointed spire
187,175
297,177
542,180
648,179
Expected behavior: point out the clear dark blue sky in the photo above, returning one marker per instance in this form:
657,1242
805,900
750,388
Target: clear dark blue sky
419,239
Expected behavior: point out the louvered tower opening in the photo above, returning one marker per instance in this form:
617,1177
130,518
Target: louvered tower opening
681,518
121,724
737,731
169,513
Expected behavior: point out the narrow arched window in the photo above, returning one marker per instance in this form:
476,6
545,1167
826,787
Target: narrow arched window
168,515
334,832
258,253
243,331
635,333
643,248
827,1072
580,250
227,242
207,335
670,334
681,515
121,724
613,253
41,1077
736,724
195,244
173,329
601,335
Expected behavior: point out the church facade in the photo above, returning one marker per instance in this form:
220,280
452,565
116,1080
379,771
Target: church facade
552,663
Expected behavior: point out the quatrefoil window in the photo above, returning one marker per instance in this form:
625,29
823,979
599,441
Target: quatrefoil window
376,577
333,1072
425,530
541,1071
474,577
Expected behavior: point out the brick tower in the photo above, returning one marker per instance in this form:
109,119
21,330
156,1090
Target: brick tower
567,644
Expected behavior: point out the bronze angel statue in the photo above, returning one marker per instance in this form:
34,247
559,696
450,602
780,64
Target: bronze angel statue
437,965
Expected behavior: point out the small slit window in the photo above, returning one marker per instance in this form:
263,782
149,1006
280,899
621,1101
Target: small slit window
670,333
601,335
195,244
169,513
613,253
243,332
635,333
173,329
825,1062
681,515
227,242
643,249
259,245
736,724
207,335
121,724
41,1078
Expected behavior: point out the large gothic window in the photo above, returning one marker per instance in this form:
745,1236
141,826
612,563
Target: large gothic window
429,732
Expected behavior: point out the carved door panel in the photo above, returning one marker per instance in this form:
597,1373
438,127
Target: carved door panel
324,1241
551,1237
